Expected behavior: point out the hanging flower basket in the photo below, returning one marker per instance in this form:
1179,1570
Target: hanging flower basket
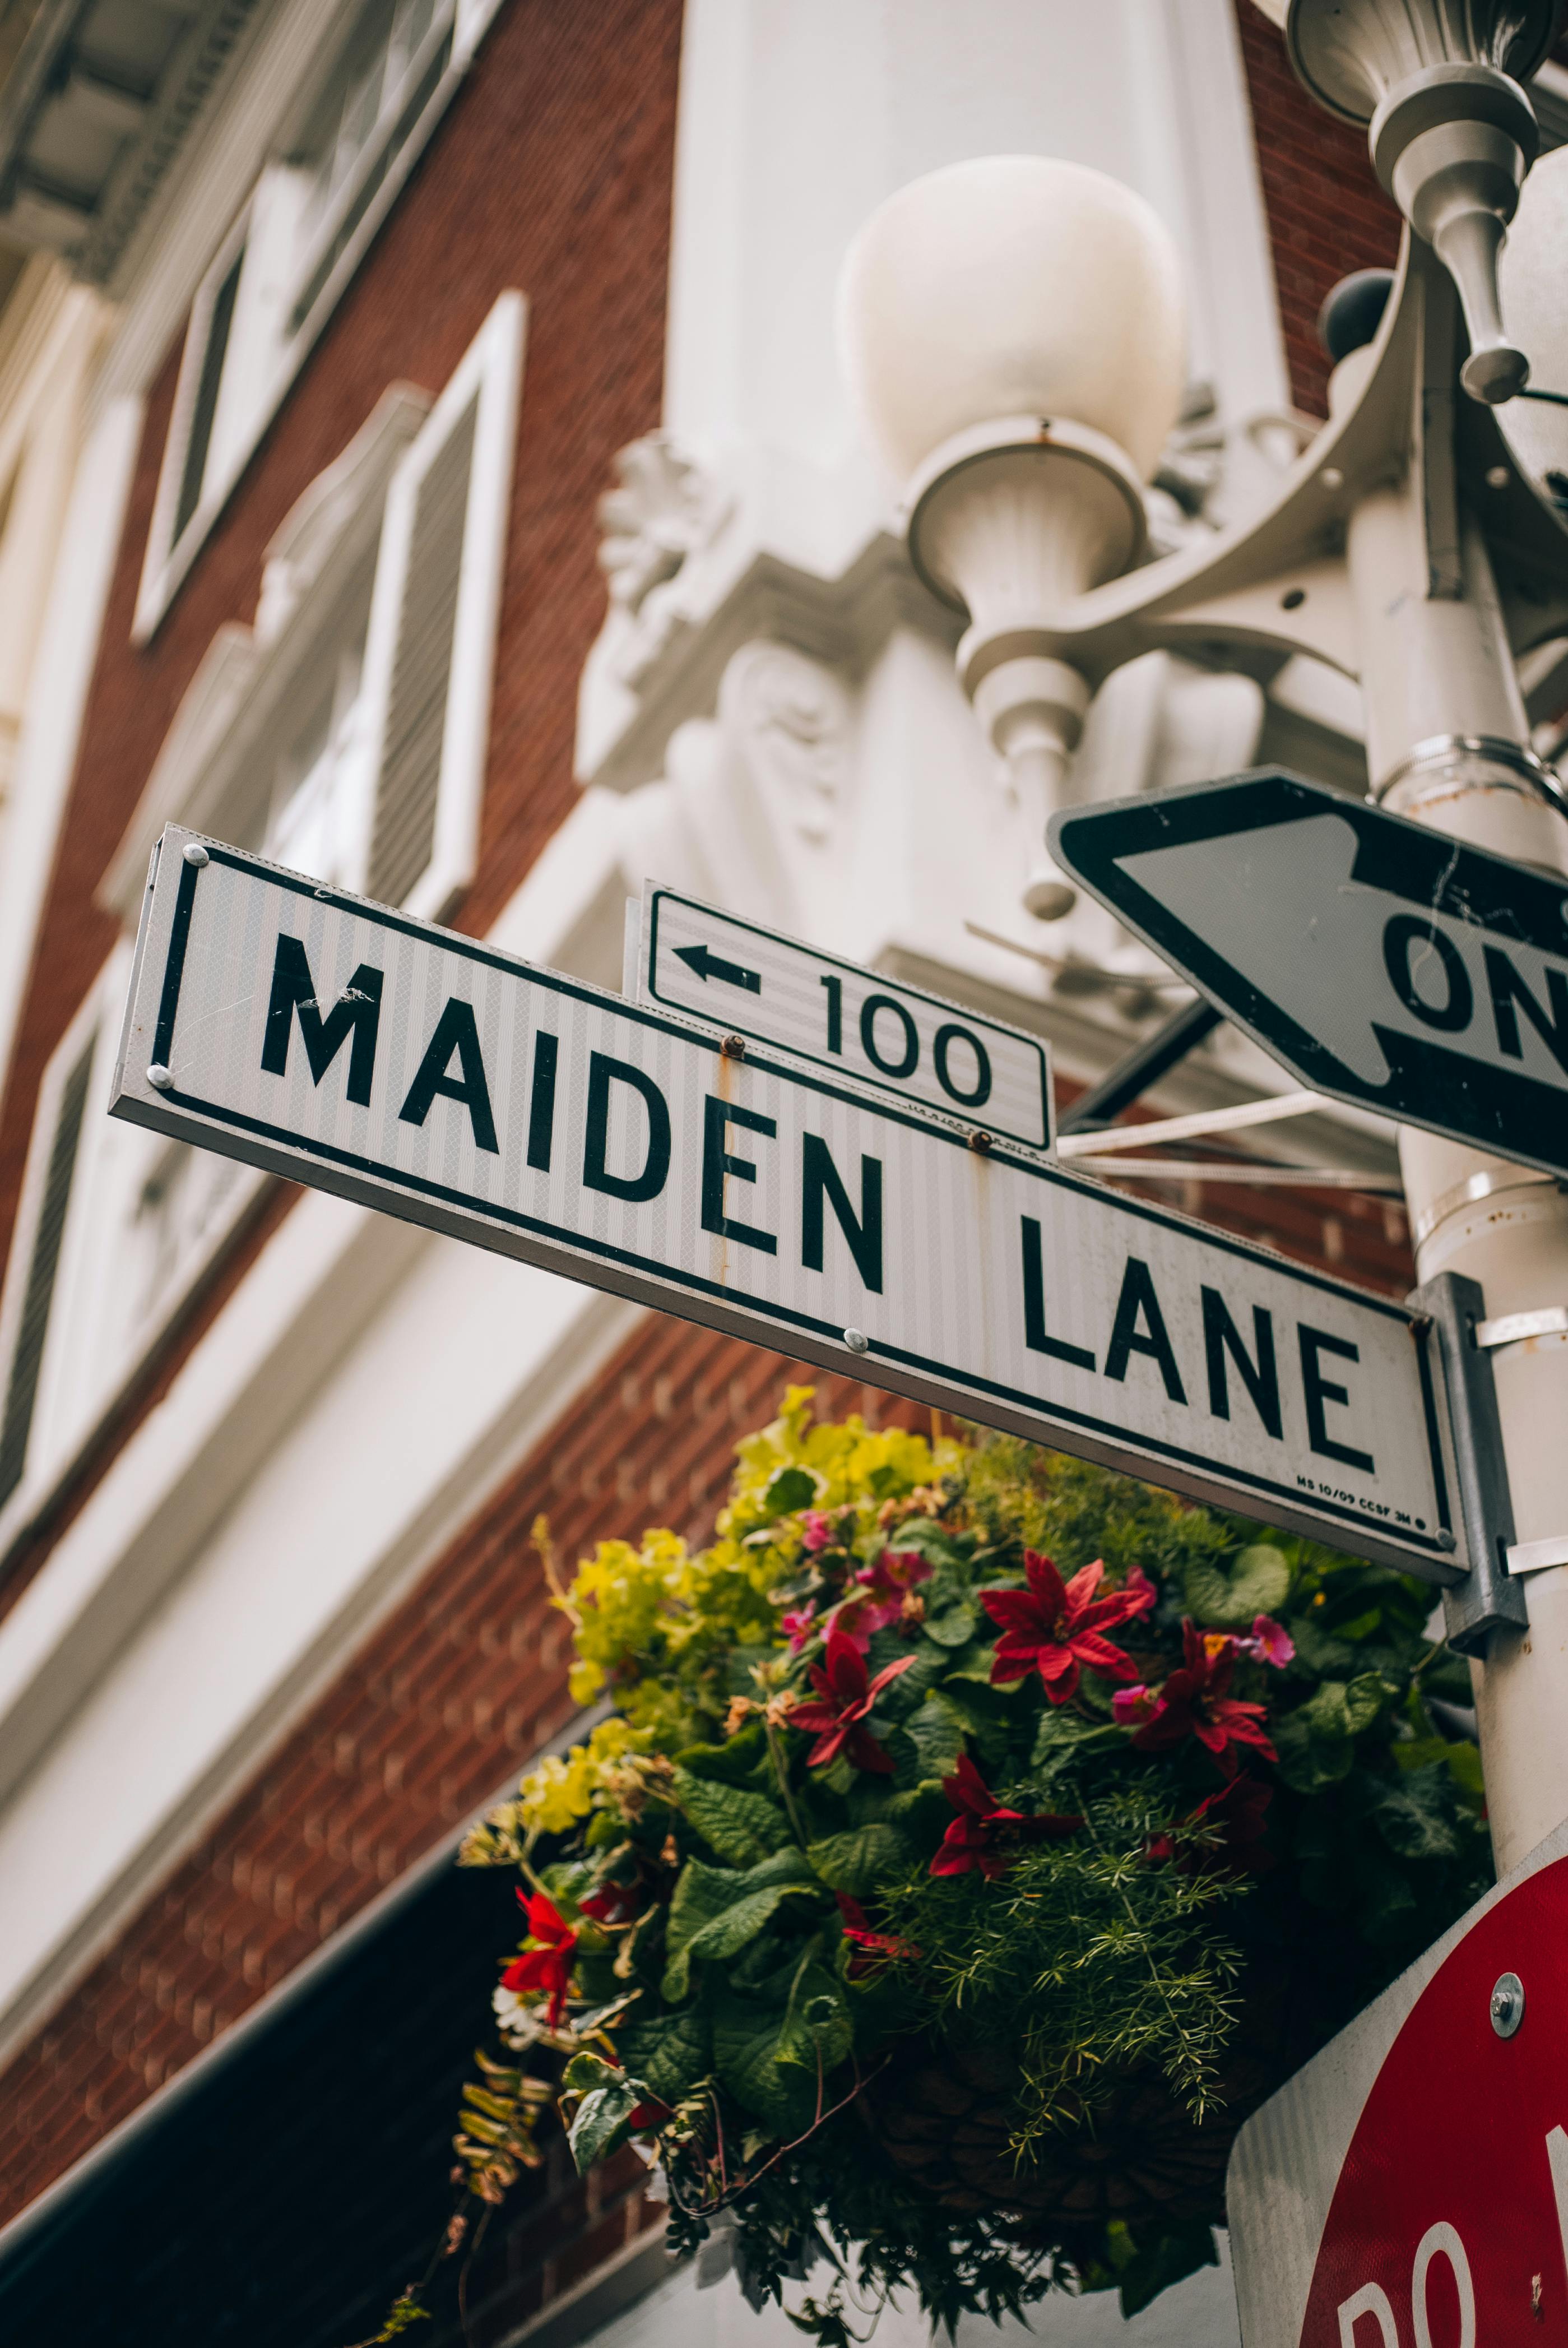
974,1839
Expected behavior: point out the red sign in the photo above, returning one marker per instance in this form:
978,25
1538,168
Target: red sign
1448,2225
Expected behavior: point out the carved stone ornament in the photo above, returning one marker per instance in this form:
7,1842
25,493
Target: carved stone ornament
663,509
789,716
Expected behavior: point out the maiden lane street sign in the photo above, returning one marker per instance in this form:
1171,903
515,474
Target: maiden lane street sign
335,1043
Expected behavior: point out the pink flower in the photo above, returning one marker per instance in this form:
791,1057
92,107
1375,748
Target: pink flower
1270,1643
818,1531
801,1626
1053,1626
1130,1706
887,1585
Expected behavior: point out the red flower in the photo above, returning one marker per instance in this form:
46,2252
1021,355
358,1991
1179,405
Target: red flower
1054,1626
838,1720
646,2119
1193,1702
1237,1810
971,1839
548,1968
865,1945
1238,1807
612,1903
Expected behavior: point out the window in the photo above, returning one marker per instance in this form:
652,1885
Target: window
40,1231
430,648
304,228
315,819
366,115
344,735
208,376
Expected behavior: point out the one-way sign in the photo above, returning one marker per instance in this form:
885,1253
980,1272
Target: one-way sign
1381,963
423,1073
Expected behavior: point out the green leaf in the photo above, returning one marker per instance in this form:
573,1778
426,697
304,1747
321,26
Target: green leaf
600,2119
586,2072
816,2026
857,1861
715,1911
1258,1582
739,1826
791,1488
1364,1700
937,1732
1310,1759
953,1628
672,2053
1062,1739
740,1759
746,2056
1413,1815
973,1663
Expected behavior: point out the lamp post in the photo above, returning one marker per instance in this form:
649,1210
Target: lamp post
1012,333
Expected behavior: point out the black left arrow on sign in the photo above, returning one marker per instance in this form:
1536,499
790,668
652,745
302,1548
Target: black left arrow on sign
708,964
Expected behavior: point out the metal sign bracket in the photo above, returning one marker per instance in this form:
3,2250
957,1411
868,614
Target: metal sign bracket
1489,1599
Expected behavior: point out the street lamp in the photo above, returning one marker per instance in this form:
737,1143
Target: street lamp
1014,336
1407,548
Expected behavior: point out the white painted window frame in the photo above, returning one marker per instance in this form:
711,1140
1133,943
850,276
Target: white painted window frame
272,210
490,372
84,1370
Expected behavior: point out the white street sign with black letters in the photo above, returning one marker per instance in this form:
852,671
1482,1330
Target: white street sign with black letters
851,1021
425,1073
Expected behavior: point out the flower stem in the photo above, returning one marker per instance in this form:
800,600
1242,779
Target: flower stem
781,1771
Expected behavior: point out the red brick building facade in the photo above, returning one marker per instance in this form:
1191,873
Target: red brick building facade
551,171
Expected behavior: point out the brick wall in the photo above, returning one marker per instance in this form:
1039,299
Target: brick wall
554,166
551,171
1327,214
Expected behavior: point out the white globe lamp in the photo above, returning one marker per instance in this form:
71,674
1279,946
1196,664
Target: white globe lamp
1013,337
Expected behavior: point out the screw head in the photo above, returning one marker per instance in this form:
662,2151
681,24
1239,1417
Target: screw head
980,1141
733,1047
1507,2006
1447,1539
195,853
1498,477
857,1341
1332,477
160,1076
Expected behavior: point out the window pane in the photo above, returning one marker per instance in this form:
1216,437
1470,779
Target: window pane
27,1356
206,405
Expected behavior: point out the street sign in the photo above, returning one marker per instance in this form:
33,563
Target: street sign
771,989
423,1073
1409,2188
1381,961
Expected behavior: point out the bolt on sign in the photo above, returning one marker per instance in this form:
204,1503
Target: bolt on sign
1409,2188
338,1043
1382,962
850,1021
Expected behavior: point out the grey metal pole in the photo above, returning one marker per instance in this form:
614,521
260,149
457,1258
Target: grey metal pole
1448,745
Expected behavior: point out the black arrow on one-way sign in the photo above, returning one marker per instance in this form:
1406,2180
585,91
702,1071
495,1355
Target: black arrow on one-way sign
708,964
1382,962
